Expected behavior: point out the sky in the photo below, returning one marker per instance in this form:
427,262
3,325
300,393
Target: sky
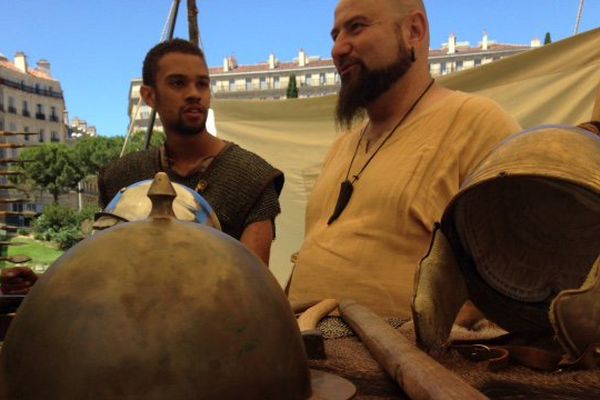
96,47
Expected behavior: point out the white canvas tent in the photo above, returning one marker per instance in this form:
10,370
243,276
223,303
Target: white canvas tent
554,84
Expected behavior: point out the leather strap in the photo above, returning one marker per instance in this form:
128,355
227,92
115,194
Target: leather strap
514,348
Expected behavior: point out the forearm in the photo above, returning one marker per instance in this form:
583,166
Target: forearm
257,237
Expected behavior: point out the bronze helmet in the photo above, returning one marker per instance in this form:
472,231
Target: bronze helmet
521,239
132,204
157,309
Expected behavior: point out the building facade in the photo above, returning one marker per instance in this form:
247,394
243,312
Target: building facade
79,128
31,101
318,77
139,113
31,105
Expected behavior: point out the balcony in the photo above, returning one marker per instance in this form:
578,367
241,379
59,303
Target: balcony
54,140
30,89
26,113
12,110
53,118
40,116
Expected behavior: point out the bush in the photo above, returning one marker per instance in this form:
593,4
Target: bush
67,237
62,225
55,217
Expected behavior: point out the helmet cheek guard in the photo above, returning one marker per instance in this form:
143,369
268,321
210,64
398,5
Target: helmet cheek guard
521,240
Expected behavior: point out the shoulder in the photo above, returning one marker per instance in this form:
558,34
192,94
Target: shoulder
131,160
126,170
251,166
475,106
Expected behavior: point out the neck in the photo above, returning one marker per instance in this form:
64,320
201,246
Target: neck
187,149
390,107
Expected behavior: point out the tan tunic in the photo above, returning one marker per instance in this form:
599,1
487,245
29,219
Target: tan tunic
370,253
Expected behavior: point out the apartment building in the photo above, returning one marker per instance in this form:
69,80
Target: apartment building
31,100
318,77
79,128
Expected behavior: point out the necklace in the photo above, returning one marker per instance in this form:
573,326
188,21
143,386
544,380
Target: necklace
347,186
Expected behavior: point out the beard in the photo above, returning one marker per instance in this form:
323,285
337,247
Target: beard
186,129
182,127
367,86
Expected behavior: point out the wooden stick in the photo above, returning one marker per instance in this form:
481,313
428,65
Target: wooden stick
419,375
311,317
193,21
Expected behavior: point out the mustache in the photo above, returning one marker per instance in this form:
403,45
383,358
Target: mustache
195,106
346,61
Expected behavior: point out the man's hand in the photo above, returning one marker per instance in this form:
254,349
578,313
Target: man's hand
17,280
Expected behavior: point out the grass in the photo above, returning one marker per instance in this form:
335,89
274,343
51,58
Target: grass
42,253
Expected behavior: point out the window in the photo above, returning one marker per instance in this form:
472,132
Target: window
336,77
26,137
40,112
477,62
41,137
1,124
248,83
443,68
11,105
232,85
263,83
322,80
25,109
54,136
459,65
276,83
53,116
308,80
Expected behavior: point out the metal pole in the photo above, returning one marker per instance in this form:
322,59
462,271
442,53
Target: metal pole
579,14
174,10
79,196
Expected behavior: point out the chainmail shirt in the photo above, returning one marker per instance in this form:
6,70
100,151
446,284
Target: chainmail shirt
241,187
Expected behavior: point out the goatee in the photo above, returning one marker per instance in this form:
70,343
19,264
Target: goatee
188,130
359,91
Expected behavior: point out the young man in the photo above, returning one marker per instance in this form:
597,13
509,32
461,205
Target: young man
242,188
370,216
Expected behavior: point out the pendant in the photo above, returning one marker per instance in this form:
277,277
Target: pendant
346,189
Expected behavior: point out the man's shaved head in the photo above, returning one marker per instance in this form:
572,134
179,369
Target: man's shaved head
404,7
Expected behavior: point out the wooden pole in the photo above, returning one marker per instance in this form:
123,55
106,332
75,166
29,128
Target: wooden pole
579,15
420,376
193,22
171,29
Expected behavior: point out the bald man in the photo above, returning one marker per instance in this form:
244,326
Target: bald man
387,180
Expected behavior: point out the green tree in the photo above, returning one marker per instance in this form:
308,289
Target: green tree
95,152
52,167
292,89
138,138
547,39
